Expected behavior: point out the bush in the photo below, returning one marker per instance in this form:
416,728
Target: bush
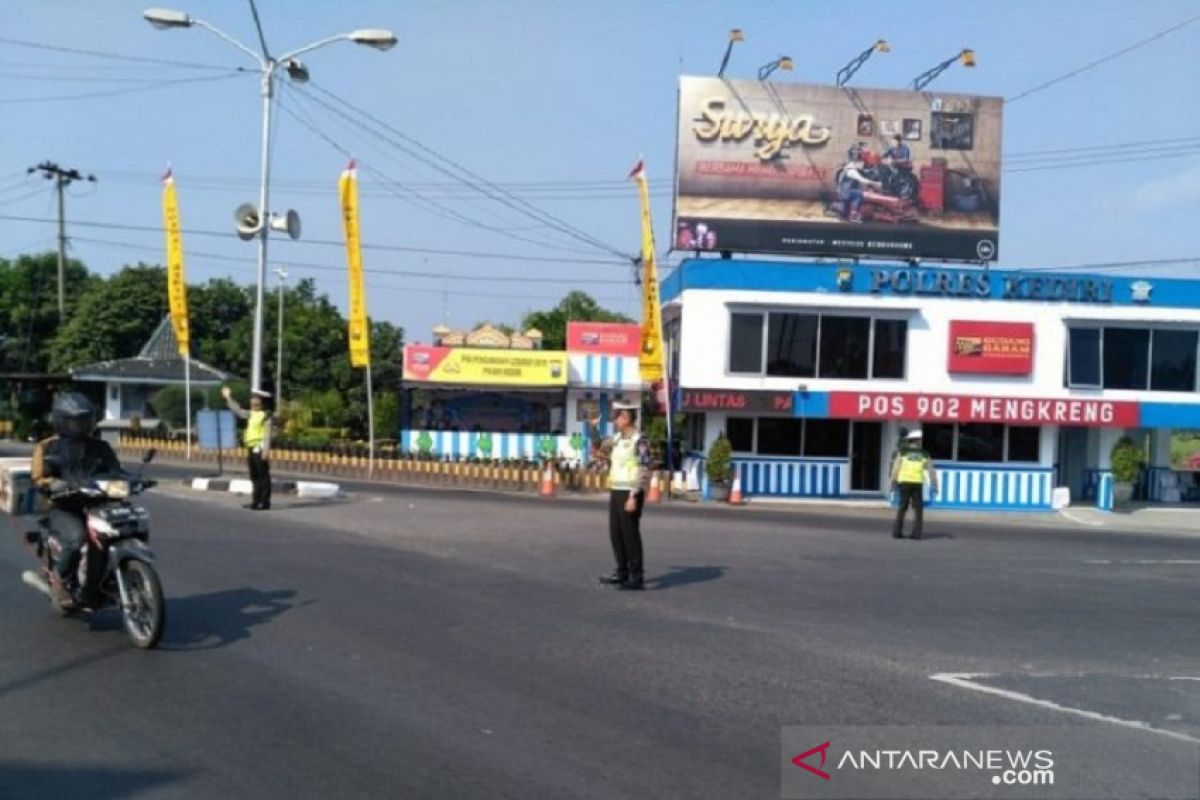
720,460
1126,460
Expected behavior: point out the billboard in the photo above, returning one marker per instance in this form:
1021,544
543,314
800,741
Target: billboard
969,408
991,348
604,338
477,366
818,170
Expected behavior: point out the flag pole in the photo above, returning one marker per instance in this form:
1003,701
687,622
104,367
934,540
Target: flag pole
187,400
370,424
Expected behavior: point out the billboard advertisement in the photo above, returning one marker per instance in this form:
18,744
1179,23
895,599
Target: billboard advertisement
991,348
604,338
477,366
805,169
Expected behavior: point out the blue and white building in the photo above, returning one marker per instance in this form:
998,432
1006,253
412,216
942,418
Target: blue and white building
1022,381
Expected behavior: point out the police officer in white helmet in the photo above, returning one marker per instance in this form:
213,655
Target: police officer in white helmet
910,467
628,454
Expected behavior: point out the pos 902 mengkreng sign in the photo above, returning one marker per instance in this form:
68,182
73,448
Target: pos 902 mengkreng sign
477,366
991,348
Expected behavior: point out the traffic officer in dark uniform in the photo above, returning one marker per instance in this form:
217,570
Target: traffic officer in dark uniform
909,468
257,438
628,456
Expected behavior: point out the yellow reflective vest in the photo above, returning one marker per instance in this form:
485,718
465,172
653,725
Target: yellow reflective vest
912,467
256,429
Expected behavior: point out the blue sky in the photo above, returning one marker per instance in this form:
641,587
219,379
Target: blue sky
564,96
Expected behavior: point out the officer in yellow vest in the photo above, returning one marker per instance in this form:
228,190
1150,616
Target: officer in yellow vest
628,454
909,468
257,439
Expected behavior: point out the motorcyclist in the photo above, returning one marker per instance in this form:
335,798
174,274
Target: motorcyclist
73,455
851,180
899,153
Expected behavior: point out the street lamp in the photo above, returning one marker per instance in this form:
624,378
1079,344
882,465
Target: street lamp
735,35
846,72
966,56
379,39
282,273
783,62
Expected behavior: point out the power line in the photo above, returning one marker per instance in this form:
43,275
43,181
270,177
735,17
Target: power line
112,56
1104,59
116,92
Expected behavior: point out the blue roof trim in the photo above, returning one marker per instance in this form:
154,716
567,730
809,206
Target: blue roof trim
822,278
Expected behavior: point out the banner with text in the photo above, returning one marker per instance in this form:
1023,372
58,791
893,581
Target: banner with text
176,281
604,338
470,366
993,348
964,408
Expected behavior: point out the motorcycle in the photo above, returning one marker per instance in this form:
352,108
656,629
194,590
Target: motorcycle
897,178
116,566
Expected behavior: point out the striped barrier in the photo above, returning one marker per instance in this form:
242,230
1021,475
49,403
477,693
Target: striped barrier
994,488
788,477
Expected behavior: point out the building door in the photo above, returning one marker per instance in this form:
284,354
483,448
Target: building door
1072,460
866,440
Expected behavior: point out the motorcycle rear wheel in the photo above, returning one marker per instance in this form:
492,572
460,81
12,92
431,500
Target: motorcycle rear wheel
147,619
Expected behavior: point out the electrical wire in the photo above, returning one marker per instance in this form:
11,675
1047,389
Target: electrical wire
110,55
116,92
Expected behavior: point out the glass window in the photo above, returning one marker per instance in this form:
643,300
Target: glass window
845,342
779,436
1173,368
891,339
792,345
938,440
981,442
745,343
1024,443
740,431
1083,353
1126,358
827,438
952,131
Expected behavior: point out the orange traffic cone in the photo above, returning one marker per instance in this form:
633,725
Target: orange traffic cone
655,493
546,489
735,494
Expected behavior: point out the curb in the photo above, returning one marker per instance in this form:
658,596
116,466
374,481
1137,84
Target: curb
309,489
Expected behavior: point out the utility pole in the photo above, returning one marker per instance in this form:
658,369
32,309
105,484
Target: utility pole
282,273
62,178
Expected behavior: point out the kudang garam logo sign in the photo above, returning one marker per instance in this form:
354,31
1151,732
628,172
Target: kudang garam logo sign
991,348
807,169
604,338
477,366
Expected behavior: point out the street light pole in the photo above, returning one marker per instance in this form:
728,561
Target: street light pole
282,273
378,38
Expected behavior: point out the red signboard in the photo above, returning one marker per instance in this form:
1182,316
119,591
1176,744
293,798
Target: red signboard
963,408
994,348
607,338
724,400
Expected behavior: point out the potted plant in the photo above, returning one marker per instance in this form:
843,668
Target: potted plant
719,468
1126,464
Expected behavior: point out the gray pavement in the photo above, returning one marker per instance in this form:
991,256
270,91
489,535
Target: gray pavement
421,643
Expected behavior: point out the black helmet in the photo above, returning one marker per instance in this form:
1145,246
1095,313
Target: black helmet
73,415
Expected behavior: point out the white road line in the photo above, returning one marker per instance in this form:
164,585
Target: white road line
1089,522
965,680
1185,561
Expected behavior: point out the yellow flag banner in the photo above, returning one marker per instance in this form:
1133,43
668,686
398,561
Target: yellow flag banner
650,360
360,340
176,284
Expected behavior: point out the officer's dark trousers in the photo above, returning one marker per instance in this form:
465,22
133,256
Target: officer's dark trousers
260,478
625,531
68,527
910,493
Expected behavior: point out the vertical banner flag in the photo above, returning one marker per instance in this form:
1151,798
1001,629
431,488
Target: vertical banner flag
650,360
176,285
360,342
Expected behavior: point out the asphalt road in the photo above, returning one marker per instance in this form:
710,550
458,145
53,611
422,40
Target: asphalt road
415,643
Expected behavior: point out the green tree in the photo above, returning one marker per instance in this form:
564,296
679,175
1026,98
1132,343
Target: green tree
170,403
577,306
113,319
29,308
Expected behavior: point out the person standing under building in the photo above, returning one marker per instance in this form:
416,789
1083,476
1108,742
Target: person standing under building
909,468
628,455
257,439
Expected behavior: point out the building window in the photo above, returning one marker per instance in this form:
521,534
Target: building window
695,432
952,131
1024,444
827,438
981,442
1083,358
891,338
1126,358
1173,361
779,436
845,345
740,432
745,343
792,345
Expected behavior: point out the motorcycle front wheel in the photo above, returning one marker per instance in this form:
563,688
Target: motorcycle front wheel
146,617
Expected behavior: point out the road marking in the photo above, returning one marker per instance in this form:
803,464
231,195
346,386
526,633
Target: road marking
966,680
1184,561
1089,522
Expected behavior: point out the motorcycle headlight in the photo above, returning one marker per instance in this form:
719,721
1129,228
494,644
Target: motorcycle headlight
114,489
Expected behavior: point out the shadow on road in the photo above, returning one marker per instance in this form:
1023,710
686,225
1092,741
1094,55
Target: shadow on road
682,576
24,781
218,619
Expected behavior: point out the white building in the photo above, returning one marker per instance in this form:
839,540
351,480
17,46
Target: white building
1020,381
